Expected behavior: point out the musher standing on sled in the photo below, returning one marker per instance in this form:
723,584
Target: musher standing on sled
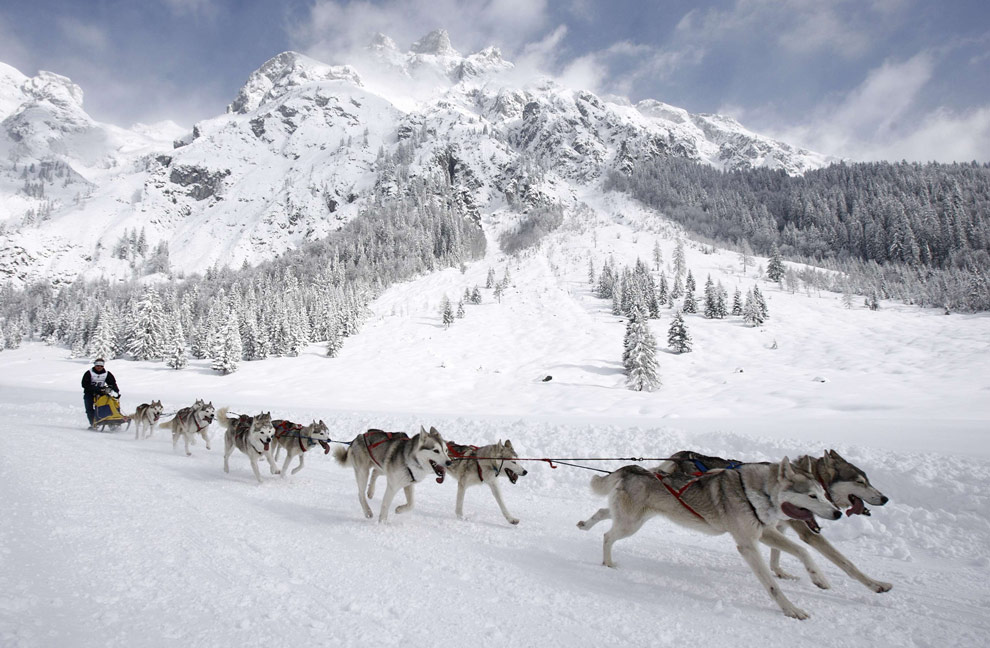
93,382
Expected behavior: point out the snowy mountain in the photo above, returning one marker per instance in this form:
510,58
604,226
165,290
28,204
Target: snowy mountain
305,146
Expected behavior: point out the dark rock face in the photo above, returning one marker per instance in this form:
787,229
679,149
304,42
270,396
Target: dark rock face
200,183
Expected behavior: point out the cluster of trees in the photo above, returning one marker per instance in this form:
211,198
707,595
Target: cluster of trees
448,314
916,232
636,294
317,293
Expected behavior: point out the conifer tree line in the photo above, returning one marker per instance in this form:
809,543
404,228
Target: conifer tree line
915,232
318,293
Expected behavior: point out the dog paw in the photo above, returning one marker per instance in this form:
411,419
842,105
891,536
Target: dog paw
369,514
880,587
820,581
513,521
796,613
582,525
781,574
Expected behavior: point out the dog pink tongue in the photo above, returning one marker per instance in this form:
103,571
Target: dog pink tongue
796,512
266,446
858,508
326,447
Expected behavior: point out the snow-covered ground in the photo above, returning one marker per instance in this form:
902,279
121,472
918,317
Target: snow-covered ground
108,541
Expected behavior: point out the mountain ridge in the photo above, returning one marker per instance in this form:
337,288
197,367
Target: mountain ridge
304,146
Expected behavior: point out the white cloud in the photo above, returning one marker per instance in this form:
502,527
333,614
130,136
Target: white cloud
335,30
880,120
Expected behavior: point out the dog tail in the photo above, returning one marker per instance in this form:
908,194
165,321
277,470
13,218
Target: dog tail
342,454
604,484
222,417
165,425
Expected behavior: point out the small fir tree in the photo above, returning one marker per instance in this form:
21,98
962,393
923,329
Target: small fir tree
678,337
640,354
775,266
446,312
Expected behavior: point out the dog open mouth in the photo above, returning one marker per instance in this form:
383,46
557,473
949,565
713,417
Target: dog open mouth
802,514
511,475
267,444
439,470
326,447
858,507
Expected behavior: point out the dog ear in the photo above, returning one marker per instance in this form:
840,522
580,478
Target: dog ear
508,444
433,430
835,455
786,470
808,465
422,430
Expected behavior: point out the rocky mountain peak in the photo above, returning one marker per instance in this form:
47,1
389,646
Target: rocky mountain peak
55,88
437,43
283,72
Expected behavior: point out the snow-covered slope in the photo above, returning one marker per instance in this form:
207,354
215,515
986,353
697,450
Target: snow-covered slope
304,145
108,541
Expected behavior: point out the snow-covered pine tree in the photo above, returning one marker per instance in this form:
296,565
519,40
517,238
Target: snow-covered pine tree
147,337
737,304
752,313
721,297
662,290
680,264
690,305
102,343
229,355
490,279
176,358
678,337
689,285
640,354
676,291
446,312
335,341
775,266
761,303
460,310
710,304
591,271
498,292
476,293
657,255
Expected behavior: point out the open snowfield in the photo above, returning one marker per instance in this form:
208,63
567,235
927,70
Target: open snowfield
108,541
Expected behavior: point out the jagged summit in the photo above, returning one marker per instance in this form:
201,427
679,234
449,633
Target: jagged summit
284,71
437,43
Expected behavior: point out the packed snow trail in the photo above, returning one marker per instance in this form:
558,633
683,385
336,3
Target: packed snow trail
116,542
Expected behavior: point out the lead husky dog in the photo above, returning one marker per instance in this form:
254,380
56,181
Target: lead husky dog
746,503
847,487
403,460
146,415
296,439
190,421
473,465
252,435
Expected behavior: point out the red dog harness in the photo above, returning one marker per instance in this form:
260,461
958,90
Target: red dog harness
677,493
460,452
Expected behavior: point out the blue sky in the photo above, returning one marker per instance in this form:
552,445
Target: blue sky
866,79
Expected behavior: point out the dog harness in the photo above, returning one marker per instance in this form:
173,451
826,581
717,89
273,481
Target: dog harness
191,414
678,493
461,452
282,429
702,468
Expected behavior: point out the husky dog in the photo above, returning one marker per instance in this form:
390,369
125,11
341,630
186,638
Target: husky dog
474,465
252,435
403,460
146,415
296,439
847,487
190,421
746,503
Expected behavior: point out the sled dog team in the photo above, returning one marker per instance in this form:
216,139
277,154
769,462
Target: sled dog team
752,502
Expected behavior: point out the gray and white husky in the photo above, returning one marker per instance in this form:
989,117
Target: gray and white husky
145,416
190,421
296,439
473,465
847,487
252,435
403,460
746,503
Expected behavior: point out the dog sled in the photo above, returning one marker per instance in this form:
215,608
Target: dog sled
107,411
